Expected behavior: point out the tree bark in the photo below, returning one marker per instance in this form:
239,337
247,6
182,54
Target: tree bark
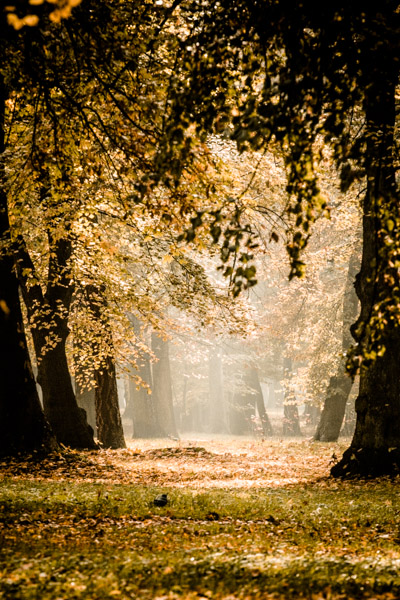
340,384
108,418
332,415
375,448
254,383
23,427
162,389
110,432
140,406
84,395
86,400
48,316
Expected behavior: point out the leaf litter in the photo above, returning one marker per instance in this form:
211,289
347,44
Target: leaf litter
214,464
244,519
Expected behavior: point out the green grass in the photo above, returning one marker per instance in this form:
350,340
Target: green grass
73,540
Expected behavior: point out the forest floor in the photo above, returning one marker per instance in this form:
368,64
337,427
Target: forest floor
245,519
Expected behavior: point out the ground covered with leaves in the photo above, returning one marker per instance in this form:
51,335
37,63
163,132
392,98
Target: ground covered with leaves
244,519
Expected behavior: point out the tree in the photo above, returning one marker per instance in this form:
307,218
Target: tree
140,406
23,426
255,386
108,419
266,72
58,80
86,100
48,316
162,386
375,448
291,421
340,384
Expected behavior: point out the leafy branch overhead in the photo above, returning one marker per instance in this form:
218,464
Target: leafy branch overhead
271,74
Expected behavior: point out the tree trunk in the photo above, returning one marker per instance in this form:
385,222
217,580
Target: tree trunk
23,427
143,413
86,400
110,432
349,424
254,382
334,409
162,389
108,418
291,421
68,421
216,391
83,394
375,448
341,383
144,419
140,407
48,316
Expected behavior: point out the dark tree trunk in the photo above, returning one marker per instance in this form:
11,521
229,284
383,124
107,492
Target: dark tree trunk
254,382
23,427
375,448
108,418
86,400
162,388
340,384
110,432
83,394
48,315
216,392
334,409
67,419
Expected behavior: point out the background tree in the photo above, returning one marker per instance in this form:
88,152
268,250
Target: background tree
340,383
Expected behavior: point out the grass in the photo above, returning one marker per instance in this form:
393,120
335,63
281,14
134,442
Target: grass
241,522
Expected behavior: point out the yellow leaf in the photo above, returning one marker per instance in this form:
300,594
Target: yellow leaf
4,307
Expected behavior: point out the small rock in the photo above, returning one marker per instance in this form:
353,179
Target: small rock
161,500
212,516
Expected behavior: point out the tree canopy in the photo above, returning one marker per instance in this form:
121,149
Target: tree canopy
116,110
